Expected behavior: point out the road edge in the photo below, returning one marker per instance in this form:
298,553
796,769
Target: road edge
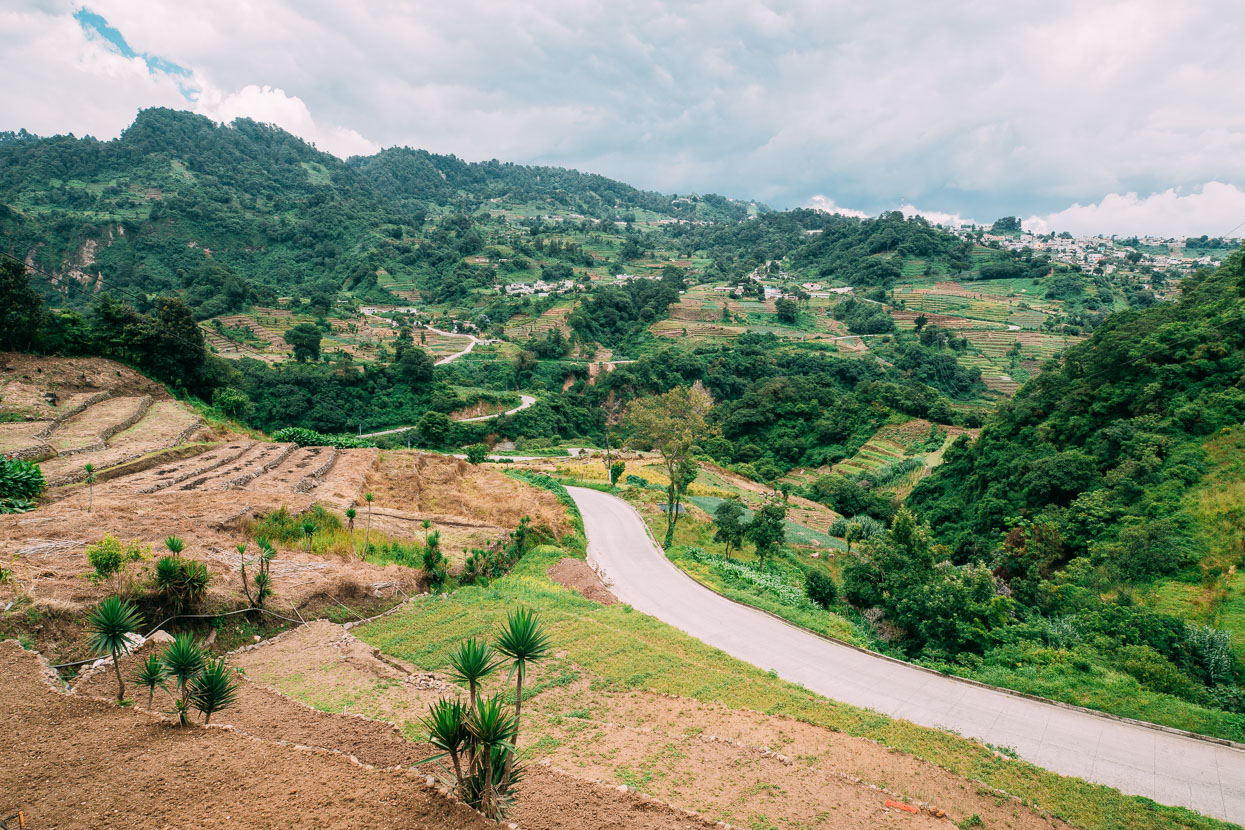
1158,727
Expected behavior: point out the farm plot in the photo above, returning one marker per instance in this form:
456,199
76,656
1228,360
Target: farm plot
955,305
164,425
553,318
94,424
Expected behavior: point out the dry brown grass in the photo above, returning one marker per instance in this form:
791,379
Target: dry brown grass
448,489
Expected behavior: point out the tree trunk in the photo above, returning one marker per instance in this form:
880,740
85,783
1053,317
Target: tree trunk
116,664
518,710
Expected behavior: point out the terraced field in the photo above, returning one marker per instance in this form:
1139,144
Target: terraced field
552,318
165,424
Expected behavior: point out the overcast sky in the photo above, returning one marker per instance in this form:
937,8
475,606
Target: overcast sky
1083,116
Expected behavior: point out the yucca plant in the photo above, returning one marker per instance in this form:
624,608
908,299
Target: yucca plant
471,662
350,517
110,622
90,485
524,641
174,545
181,581
212,689
183,658
151,673
492,727
263,583
309,530
367,530
446,725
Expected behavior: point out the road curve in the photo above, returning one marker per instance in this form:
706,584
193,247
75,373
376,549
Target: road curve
524,402
471,344
1169,768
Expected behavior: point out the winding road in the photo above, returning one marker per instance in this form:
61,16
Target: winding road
524,402
1167,767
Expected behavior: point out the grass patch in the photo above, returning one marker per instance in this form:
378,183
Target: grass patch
628,650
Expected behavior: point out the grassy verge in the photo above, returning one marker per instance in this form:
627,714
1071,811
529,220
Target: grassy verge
624,649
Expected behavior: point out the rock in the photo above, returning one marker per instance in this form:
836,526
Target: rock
622,788
160,636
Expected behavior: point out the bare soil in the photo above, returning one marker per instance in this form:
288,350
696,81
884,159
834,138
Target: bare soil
77,762
578,575
292,750
738,766
471,505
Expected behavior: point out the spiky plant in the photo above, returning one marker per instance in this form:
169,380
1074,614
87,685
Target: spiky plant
180,581
151,673
174,545
90,485
367,531
446,725
350,516
183,658
212,689
309,530
493,728
110,622
246,587
523,640
426,524
471,662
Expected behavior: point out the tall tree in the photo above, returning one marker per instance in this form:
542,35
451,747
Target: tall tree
305,339
672,424
21,307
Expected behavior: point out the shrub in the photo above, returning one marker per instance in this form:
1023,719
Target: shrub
476,453
310,438
213,689
820,587
21,484
109,555
181,582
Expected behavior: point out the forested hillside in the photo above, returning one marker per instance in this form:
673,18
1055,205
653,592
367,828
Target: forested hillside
233,215
1106,443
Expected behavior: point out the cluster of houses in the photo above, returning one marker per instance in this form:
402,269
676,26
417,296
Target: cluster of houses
540,288
1090,251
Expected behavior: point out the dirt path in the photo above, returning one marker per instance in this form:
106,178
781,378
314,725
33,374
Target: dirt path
474,341
1133,758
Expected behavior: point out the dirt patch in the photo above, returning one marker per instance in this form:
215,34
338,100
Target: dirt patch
40,388
72,761
546,798
579,576
738,766
471,505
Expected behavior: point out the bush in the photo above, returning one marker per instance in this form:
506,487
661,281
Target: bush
476,453
109,555
820,587
21,483
181,582
310,438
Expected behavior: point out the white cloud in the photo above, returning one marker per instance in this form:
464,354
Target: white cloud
827,205
273,106
1213,209
979,109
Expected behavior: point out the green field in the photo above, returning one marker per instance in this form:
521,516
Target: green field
627,650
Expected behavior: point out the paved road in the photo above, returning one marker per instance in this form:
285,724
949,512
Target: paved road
1168,768
524,402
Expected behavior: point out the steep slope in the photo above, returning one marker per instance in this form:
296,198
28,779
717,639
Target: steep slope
1109,440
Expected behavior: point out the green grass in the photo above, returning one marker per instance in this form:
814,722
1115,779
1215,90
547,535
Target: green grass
628,650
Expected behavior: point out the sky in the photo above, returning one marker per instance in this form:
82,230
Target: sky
1090,117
